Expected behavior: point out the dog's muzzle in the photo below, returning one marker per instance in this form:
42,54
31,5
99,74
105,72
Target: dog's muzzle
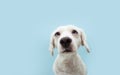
65,43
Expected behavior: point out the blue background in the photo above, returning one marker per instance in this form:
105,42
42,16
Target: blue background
26,25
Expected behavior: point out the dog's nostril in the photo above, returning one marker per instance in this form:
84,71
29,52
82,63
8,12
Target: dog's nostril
65,42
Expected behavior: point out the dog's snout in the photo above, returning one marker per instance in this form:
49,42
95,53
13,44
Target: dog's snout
65,42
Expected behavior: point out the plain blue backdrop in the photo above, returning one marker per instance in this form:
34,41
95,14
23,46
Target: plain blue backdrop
26,25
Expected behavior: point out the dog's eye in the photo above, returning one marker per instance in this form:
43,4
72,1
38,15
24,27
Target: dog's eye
57,34
74,32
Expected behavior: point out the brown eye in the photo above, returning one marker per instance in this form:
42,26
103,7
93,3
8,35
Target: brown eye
74,32
57,34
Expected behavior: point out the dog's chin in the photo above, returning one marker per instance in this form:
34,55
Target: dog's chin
66,51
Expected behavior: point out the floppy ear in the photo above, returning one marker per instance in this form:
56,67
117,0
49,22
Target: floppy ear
83,41
52,45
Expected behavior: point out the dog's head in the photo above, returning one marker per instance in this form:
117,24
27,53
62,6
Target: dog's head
68,39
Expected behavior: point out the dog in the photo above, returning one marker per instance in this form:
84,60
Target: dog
67,39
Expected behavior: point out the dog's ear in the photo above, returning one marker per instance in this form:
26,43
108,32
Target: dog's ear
83,41
52,45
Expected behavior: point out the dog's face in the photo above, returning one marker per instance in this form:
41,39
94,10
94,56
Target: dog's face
67,39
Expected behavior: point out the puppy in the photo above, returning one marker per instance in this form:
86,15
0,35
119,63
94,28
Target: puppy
67,39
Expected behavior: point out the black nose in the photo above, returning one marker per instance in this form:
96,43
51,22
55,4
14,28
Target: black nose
65,42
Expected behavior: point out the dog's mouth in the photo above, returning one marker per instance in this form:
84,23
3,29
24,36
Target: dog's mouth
67,50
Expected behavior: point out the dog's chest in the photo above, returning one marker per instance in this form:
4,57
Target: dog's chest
68,65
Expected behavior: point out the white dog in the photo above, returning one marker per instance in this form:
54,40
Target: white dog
68,39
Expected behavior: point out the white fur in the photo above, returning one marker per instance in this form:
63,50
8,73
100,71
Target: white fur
68,63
